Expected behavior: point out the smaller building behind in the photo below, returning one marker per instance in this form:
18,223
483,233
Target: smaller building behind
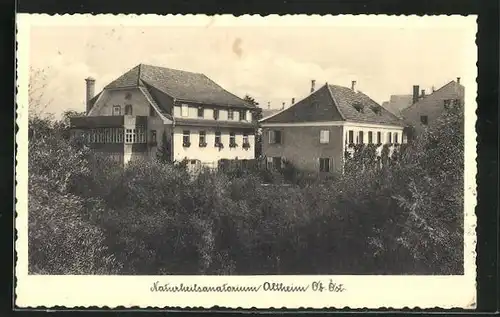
425,109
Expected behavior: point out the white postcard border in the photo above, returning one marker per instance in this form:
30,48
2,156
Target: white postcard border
360,291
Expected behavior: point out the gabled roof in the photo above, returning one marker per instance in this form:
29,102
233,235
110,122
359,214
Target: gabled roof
335,103
180,85
451,84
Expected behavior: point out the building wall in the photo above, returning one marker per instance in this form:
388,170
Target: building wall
209,113
432,106
210,154
121,97
301,146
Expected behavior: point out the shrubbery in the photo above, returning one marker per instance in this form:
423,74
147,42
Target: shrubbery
88,216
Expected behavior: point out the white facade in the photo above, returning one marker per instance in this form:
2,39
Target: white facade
210,155
388,133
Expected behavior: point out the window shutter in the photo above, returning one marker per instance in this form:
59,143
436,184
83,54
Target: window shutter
270,136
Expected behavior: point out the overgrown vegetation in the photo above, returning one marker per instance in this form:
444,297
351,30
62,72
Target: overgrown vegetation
89,216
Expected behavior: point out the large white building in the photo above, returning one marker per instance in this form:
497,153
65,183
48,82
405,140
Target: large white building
151,107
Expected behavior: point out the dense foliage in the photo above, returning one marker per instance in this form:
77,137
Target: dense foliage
87,215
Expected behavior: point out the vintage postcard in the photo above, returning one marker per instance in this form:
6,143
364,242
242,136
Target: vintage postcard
246,162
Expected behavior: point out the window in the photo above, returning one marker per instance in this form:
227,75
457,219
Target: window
230,114
153,136
447,103
128,110
129,135
184,111
424,120
324,165
186,138
379,137
216,114
232,138
217,137
276,162
203,139
361,137
137,135
324,136
370,137
351,137
389,137
117,110
200,112
396,137
274,137
152,111
242,115
245,138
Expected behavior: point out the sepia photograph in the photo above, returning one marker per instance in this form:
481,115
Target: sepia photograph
247,147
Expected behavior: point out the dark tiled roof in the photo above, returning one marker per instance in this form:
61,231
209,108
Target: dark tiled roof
213,123
346,100
316,107
179,84
335,103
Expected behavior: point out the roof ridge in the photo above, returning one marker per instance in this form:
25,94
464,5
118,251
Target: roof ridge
169,68
335,102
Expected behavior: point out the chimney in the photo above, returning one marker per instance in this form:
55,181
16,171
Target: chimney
353,85
90,92
458,80
415,93
313,83
268,105
283,106
293,101
433,89
422,93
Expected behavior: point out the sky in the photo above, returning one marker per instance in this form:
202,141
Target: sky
272,63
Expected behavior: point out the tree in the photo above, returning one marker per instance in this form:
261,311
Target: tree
164,152
37,87
256,116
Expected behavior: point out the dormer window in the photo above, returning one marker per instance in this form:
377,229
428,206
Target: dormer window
376,109
359,107
230,114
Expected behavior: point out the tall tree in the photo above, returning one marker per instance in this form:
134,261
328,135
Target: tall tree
256,116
